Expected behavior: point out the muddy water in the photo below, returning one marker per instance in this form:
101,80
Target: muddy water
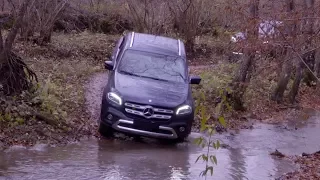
245,155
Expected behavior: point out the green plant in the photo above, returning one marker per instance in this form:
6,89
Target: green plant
207,127
49,97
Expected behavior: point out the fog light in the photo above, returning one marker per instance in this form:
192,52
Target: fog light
110,116
182,129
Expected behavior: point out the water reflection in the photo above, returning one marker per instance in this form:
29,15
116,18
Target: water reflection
140,160
245,157
237,163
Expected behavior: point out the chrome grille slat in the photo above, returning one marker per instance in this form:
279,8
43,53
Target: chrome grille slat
159,113
136,106
163,110
134,112
156,116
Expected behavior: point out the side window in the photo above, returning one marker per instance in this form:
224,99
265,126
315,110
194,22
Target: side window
116,51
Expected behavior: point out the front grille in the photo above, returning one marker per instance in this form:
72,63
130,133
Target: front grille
148,112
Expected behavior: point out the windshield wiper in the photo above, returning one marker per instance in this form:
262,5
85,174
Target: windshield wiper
154,78
132,74
129,73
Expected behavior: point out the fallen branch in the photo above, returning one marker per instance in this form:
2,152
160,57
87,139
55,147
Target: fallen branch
46,117
41,133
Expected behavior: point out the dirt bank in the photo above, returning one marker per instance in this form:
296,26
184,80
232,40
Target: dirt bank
54,112
309,167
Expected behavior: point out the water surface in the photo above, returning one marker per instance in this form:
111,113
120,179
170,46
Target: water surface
245,156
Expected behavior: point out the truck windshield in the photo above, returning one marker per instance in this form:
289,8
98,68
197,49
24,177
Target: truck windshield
153,66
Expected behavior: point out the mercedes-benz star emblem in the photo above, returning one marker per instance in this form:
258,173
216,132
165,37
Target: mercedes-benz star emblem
148,112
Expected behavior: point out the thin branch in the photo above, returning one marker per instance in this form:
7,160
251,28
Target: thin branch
301,59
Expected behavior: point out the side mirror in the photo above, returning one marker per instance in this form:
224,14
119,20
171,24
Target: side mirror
108,65
195,80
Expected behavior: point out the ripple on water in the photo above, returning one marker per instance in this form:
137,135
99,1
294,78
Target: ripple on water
39,147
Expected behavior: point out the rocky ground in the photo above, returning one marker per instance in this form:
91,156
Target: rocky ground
309,167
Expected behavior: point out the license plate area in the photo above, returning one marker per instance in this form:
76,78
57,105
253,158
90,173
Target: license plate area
145,125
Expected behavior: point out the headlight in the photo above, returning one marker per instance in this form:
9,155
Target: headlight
114,98
185,109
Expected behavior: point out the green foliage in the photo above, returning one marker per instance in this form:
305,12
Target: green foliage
20,121
208,130
12,119
49,97
7,116
214,81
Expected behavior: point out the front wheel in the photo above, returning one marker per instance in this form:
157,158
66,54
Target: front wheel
105,131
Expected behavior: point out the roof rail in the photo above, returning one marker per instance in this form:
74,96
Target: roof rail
132,37
179,48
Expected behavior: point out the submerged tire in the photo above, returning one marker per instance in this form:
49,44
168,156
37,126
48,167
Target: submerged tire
105,131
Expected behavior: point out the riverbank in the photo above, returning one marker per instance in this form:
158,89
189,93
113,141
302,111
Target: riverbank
65,103
53,112
309,167
257,103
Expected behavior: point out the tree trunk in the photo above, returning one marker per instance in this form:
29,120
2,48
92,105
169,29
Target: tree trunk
285,75
7,45
284,78
243,76
239,83
296,83
2,5
310,30
15,76
13,32
317,63
45,37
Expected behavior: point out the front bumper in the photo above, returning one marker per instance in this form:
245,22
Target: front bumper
171,129
117,126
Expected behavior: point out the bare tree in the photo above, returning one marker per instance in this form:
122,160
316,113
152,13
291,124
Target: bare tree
287,65
244,72
188,18
307,33
15,76
148,16
44,14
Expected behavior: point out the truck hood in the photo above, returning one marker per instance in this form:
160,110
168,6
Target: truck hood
143,90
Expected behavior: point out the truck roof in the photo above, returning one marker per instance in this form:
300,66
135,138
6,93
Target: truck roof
156,44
